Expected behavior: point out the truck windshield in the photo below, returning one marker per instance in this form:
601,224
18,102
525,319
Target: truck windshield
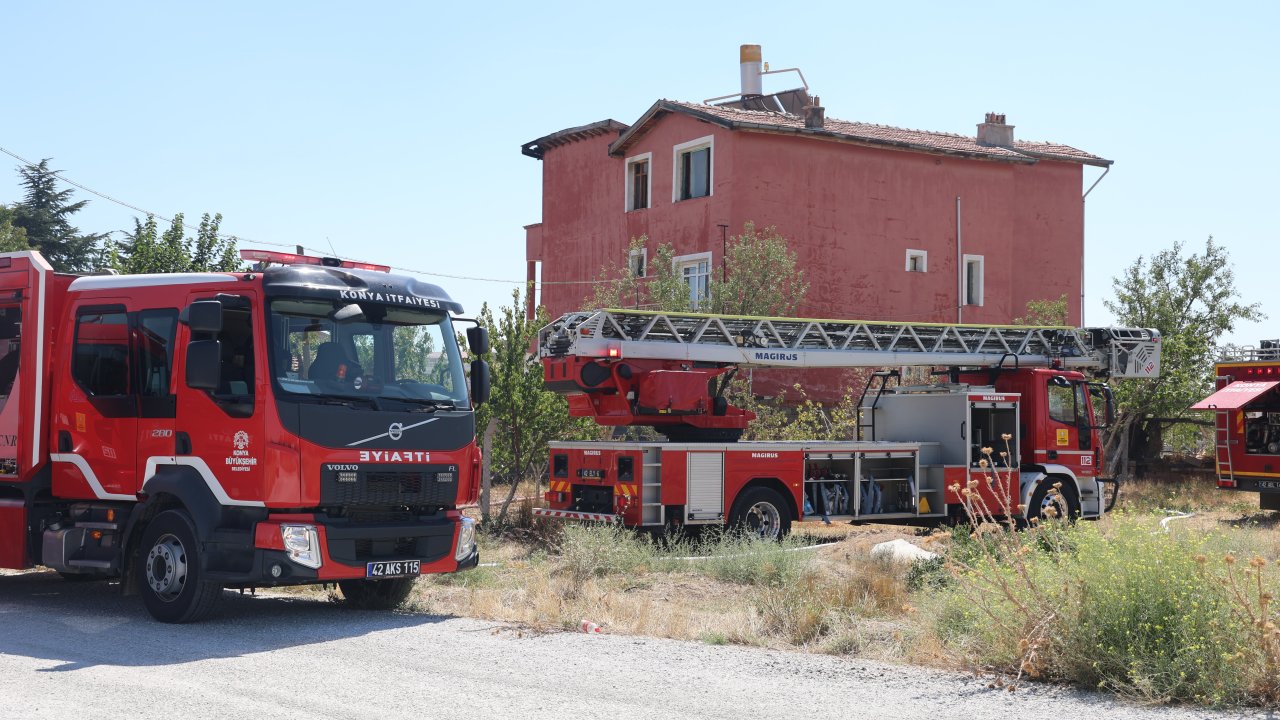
341,349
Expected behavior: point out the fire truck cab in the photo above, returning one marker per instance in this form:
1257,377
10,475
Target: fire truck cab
309,422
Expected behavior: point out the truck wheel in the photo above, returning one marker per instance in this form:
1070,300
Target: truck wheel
171,579
761,512
376,594
1064,504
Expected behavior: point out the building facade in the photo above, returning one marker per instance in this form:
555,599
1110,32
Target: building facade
887,223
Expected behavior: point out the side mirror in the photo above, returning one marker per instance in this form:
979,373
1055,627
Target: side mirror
204,363
479,382
478,340
203,316
1101,393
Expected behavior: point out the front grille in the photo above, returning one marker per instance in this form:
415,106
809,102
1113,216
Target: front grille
405,483
371,549
415,486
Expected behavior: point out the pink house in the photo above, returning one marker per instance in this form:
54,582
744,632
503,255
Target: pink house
888,223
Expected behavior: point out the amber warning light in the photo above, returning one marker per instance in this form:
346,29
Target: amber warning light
282,258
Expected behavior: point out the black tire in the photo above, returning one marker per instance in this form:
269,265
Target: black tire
762,512
170,578
1065,502
376,594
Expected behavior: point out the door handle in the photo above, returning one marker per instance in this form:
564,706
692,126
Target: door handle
64,441
181,443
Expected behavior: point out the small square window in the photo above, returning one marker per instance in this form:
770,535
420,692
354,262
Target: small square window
638,262
917,261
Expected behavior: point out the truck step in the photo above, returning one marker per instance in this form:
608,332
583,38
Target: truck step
97,564
98,525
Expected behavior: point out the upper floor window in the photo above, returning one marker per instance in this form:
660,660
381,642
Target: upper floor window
695,271
973,281
693,169
917,261
638,181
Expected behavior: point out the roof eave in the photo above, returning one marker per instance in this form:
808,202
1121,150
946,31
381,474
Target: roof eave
1094,161
659,108
537,148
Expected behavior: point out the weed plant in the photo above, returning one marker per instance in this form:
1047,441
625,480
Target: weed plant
1135,610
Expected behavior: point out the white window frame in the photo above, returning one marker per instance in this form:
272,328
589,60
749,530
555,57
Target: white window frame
981,290
707,141
643,254
680,262
923,255
629,181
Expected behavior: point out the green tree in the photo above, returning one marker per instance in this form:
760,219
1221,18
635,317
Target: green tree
12,237
523,416
146,250
45,214
654,286
1191,298
761,277
1044,312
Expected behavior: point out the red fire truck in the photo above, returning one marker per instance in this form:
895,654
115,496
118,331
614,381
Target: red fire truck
1247,421
916,444
308,421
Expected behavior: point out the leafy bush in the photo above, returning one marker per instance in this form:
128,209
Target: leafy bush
1141,613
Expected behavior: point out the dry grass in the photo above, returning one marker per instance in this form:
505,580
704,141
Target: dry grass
833,599
1107,576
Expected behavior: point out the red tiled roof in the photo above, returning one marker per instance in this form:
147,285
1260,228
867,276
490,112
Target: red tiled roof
536,148
867,133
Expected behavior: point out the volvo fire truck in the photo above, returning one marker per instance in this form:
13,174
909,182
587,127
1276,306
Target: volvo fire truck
918,447
308,421
1246,410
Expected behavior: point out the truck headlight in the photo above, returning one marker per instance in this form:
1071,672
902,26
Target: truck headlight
302,543
466,539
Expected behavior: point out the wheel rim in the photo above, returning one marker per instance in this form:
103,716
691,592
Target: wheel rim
1055,501
167,568
763,520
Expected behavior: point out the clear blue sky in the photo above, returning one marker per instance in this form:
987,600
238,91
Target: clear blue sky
392,130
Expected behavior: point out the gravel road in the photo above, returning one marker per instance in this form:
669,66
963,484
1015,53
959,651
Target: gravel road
68,649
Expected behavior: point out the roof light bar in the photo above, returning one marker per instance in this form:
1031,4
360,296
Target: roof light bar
283,258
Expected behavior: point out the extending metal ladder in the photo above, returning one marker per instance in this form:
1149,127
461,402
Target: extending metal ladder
1222,435
800,342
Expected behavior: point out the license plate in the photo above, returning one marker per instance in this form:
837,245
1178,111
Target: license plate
1269,484
393,568
591,474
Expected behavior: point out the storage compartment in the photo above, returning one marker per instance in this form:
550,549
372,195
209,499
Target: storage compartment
13,534
990,425
888,483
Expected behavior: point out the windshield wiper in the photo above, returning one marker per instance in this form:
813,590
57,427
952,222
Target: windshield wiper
430,405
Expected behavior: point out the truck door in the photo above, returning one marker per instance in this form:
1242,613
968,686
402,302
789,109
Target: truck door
10,388
154,337
220,434
1070,434
95,422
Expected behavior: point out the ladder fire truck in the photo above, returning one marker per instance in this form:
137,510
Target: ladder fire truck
1247,421
916,447
308,421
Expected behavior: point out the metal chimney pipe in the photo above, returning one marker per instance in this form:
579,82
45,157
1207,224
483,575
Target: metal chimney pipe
749,59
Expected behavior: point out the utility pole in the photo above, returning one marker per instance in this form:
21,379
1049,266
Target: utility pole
724,251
